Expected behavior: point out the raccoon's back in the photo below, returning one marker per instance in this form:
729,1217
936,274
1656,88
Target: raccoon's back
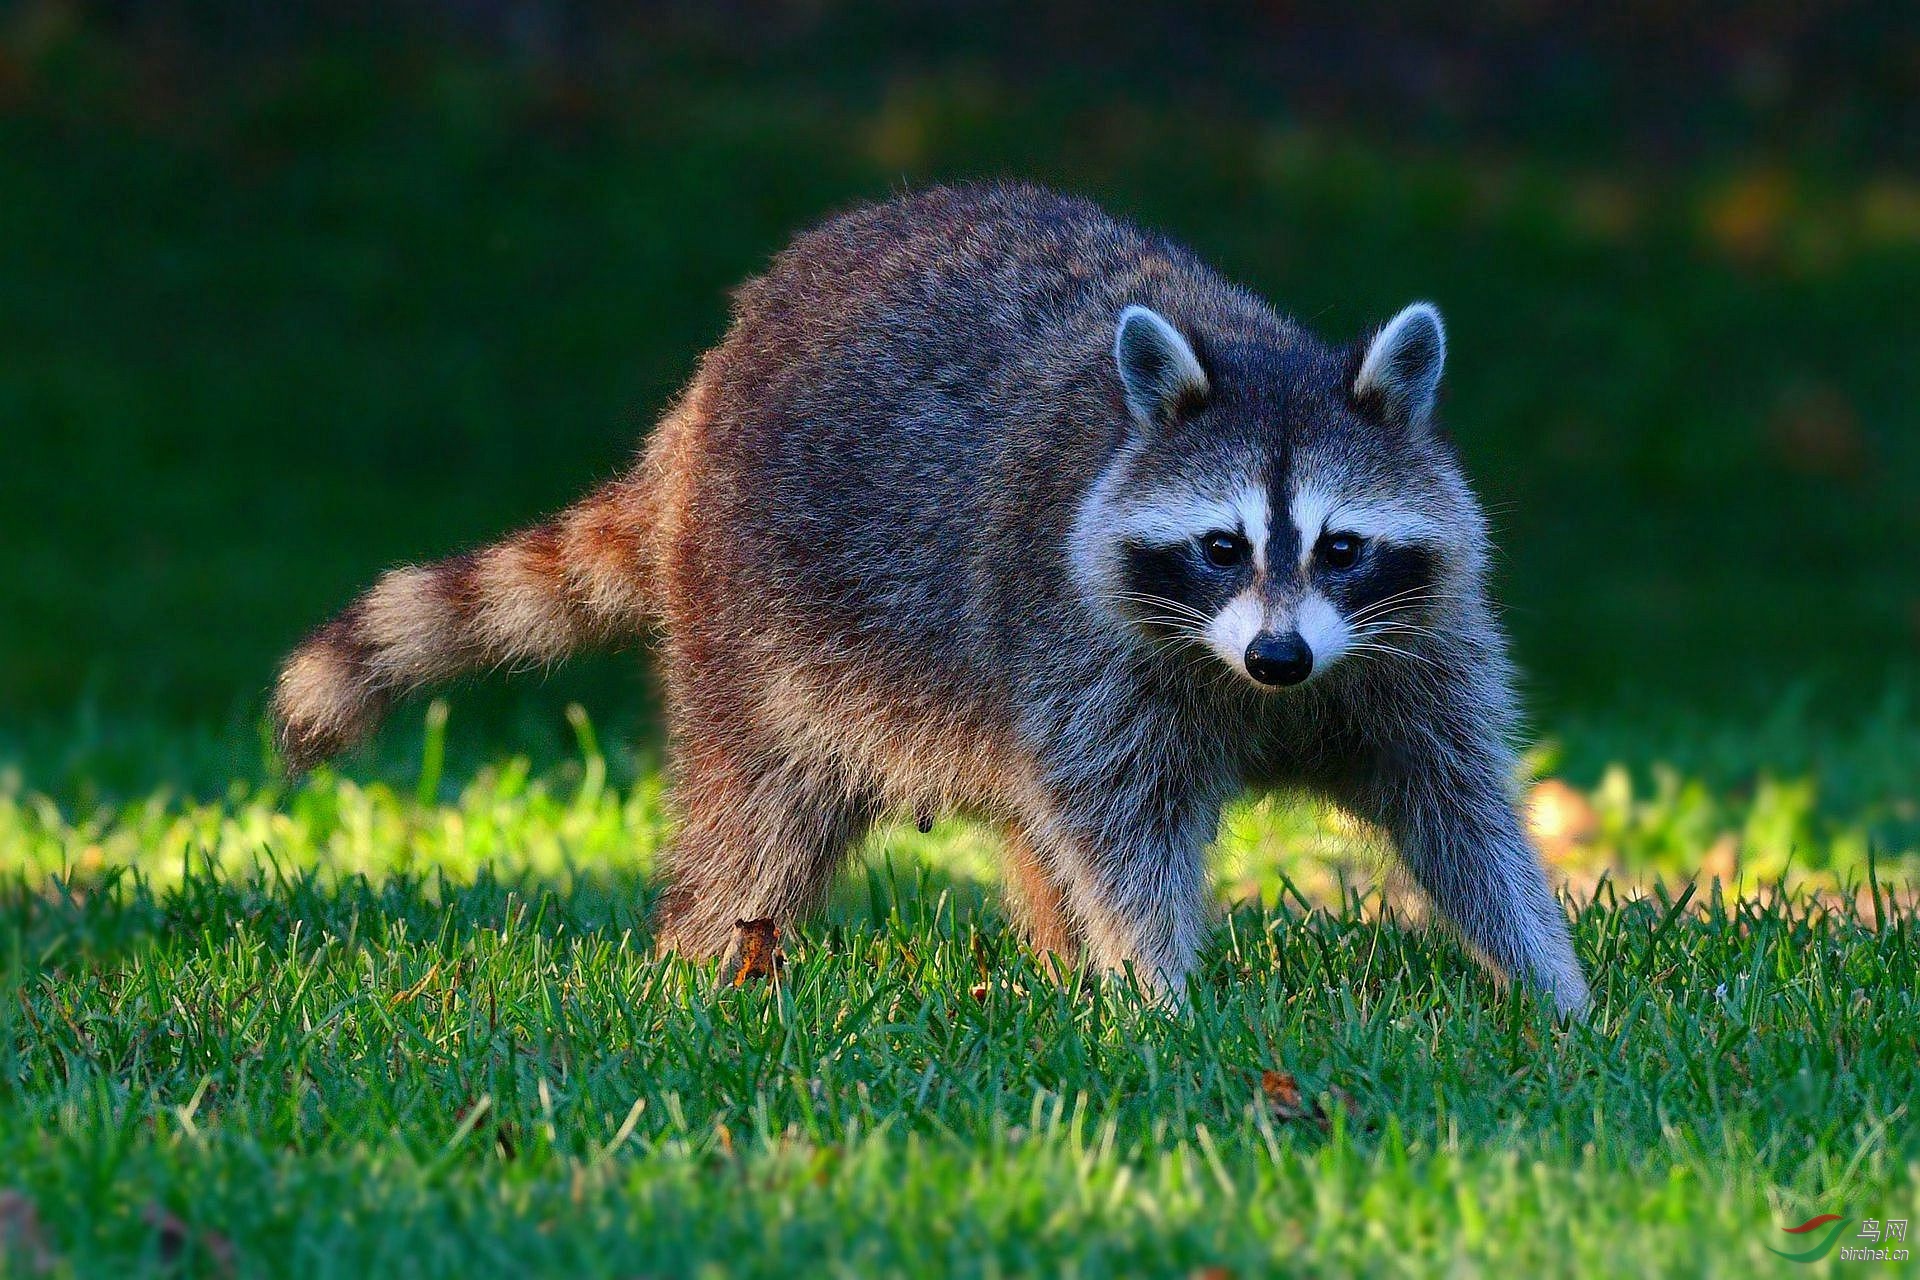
910,404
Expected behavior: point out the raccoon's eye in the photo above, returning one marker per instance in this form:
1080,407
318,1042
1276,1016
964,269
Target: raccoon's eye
1341,550
1223,550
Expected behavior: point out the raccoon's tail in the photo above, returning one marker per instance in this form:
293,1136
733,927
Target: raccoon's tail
579,579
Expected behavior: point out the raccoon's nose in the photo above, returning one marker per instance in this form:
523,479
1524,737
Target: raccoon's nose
1279,659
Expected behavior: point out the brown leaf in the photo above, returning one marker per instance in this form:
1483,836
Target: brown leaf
1282,1092
1815,431
758,956
1211,1273
413,992
22,1241
180,1243
1284,1099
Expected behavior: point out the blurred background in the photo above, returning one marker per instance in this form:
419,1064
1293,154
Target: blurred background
291,292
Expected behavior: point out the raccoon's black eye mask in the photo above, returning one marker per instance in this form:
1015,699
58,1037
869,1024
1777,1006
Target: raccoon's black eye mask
1183,572
1381,573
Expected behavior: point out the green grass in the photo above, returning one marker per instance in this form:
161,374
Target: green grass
416,1023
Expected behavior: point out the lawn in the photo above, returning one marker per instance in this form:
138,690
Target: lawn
351,1029
259,340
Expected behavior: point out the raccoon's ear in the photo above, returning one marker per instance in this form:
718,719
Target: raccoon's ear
1161,375
1399,374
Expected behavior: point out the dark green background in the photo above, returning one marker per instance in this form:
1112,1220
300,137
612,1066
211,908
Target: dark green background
287,298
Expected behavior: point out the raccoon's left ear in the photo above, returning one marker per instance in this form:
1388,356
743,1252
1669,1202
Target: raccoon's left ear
1399,374
1158,370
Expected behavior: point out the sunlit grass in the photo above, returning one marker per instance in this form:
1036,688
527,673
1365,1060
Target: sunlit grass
1815,821
325,1027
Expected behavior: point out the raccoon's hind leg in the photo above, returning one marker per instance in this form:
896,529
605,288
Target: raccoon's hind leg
760,837
1039,902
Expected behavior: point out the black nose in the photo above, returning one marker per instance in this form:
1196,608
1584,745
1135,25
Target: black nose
1279,659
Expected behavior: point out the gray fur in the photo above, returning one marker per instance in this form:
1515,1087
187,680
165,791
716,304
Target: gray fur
890,564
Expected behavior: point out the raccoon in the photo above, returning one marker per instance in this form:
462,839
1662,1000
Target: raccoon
989,501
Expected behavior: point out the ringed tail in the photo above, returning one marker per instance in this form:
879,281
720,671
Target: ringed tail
576,580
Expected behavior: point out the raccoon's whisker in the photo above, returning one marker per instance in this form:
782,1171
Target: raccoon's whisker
1418,674
1226,677
1415,594
1191,645
1389,624
1156,597
1150,595
1179,640
1418,589
1168,607
1393,620
1373,638
1399,616
1410,630
1375,647
1181,630
1395,603
1401,607
1173,646
1161,602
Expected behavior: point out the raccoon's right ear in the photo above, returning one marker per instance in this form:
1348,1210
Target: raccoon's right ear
1161,375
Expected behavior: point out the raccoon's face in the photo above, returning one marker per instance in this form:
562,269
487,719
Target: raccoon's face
1284,508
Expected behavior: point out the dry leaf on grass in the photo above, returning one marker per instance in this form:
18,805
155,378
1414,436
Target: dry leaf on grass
179,1242
414,992
758,956
1282,1093
1286,1102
